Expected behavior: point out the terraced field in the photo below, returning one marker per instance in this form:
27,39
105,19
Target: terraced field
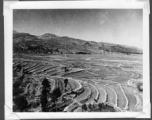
77,83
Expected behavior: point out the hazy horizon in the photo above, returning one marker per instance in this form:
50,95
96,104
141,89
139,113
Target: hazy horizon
117,26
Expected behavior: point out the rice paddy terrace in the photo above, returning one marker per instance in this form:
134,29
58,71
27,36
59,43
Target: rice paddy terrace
99,83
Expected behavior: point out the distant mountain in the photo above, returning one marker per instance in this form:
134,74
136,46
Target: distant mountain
47,36
53,44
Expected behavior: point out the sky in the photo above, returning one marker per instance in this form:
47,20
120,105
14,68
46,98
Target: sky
118,26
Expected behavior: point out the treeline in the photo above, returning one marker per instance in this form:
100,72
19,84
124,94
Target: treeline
98,107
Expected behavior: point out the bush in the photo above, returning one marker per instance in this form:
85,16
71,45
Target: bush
84,107
21,102
17,84
56,93
140,86
17,91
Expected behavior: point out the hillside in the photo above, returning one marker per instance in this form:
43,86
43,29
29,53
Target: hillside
53,44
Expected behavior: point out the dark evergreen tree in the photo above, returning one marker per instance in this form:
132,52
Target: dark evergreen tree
65,82
45,92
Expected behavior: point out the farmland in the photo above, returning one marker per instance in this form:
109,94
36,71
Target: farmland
99,82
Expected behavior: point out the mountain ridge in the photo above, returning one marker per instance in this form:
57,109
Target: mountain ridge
53,44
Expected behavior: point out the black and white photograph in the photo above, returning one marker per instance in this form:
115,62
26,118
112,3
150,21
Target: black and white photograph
77,60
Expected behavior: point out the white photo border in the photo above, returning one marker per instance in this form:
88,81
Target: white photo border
113,4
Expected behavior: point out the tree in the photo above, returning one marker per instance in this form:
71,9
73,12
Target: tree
43,100
66,69
65,82
90,107
21,102
100,105
44,97
84,107
55,95
46,84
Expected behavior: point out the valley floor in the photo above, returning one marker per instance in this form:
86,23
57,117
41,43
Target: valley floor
77,83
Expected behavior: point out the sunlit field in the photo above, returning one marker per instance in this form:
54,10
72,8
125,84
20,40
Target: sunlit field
109,82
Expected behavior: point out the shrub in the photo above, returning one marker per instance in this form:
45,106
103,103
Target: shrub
17,84
21,102
140,86
84,107
17,91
